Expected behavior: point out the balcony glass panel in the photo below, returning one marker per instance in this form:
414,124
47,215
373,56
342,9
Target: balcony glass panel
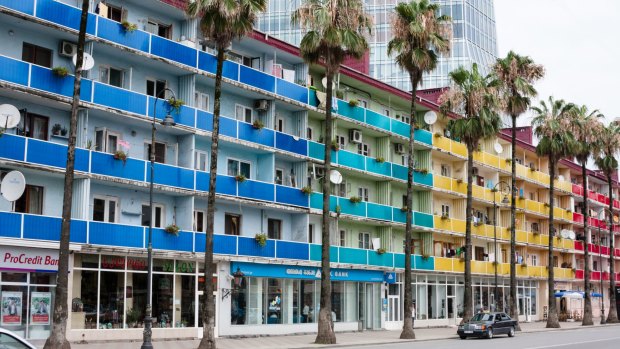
263,136
256,78
172,50
65,15
288,143
116,235
292,91
115,32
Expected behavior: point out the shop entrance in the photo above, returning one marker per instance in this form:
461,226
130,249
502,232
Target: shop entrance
525,308
369,311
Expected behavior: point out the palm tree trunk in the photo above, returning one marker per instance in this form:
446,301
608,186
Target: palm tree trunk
512,298
208,304
468,310
408,332
612,318
552,318
57,338
326,333
587,307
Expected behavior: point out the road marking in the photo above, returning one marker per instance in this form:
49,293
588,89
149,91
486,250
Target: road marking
574,343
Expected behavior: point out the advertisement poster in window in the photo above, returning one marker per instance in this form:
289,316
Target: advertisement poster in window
11,308
40,308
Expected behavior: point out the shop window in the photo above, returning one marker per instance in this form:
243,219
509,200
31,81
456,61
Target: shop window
36,55
31,201
111,299
200,221
106,141
157,216
274,229
243,113
232,224
201,160
156,87
105,209
160,152
364,241
238,167
36,126
111,76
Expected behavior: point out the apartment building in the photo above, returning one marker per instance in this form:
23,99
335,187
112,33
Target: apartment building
268,183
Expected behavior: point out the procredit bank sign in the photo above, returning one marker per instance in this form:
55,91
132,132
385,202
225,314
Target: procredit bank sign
28,259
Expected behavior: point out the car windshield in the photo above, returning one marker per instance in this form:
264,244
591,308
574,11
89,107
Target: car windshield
482,317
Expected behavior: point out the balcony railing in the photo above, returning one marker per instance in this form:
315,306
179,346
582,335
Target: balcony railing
45,228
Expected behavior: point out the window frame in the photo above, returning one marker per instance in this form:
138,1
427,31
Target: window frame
106,213
239,162
201,98
109,68
147,152
204,220
364,240
275,180
363,149
240,222
156,206
29,121
197,155
156,91
36,48
363,193
245,109
272,235
26,197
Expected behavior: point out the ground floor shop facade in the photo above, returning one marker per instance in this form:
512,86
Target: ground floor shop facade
107,294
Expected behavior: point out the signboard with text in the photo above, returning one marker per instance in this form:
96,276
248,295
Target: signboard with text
30,259
306,272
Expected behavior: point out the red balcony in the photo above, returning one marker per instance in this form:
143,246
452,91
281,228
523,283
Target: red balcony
579,274
577,189
616,204
593,248
577,217
604,250
595,275
605,276
579,245
617,252
592,195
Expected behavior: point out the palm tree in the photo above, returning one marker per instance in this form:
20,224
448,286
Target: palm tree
221,22
475,97
419,35
606,162
335,30
57,338
586,129
551,125
516,75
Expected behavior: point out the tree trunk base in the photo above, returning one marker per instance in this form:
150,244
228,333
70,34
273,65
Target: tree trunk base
206,343
326,333
553,321
57,342
612,318
407,333
517,326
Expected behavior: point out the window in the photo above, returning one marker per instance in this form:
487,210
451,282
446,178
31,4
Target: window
534,260
478,253
243,113
200,221
111,76
340,189
279,124
163,30
310,233
105,209
155,87
237,167
160,152
37,55
112,12
202,101
342,237
106,141
415,245
279,176
362,192
274,229
309,133
157,216
232,224
386,112
445,210
403,118
364,240
341,141
31,201
404,160
363,103
200,160
404,201
363,149
445,170
36,126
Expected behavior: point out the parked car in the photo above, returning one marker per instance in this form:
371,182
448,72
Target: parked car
487,325
9,340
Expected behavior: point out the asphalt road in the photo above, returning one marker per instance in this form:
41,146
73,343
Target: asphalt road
590,338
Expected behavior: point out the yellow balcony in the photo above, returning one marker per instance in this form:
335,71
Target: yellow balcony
451,224
564,185
521,236
451,146
536,271
449,264
563,273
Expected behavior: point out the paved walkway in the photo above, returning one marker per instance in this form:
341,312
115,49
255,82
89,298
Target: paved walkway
352,339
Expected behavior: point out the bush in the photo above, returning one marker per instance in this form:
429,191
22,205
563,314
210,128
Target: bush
129,27
121,155
60,71
172,229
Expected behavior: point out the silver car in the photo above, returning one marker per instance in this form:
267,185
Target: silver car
9,340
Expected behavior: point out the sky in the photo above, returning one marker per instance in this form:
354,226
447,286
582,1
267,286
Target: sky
578,43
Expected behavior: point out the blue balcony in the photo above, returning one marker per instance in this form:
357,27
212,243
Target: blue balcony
423,219
292,91
14,71
423,178
400,128
423,136
377,211
377,120
399,172
208,62
316,150
115,32
173,51
11,224
291,196
256,190
291,144
48,228
247,246
167,241
256,78
184,116
172,176
25,6
105,164
55,155
64,15
353,112
262,136
292,250
353,255
380,168
380,260
119,98
351,160
12,147
350,208
204,121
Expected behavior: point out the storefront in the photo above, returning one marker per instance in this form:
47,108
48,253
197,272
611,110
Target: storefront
27,283
275,299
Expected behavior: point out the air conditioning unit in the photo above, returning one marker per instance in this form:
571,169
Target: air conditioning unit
535,227
261,105
319,172
67,49
355,136
475,171
400,148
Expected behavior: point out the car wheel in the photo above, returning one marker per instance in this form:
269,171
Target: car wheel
511,333
490,333
463,337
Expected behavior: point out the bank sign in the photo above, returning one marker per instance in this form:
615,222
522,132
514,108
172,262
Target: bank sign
307,273
28,259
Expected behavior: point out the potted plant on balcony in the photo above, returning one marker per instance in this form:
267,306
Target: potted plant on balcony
437,134
240,178
445,217
380,159
261,239
63,132
128,26
175,104
403,209
459,180
354,102
120,155
339,94
523,265
425,256
335,146
381,250
355,199
258,125
172,229
307,190
60,71
56,129
508,161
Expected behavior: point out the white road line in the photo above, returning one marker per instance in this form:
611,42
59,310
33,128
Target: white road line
574,343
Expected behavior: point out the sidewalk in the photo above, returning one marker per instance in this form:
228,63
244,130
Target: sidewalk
306,341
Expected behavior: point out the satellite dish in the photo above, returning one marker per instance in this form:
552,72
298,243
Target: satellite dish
9,116
335,177
324,82
430,117
572,235
88,62
565,233
13,186
560,177
498,148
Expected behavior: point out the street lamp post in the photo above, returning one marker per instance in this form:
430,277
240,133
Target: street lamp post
148,319
501,185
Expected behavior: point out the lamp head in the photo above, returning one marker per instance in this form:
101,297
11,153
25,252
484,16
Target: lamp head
168,121
505,200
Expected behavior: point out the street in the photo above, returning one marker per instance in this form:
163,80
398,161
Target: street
600,337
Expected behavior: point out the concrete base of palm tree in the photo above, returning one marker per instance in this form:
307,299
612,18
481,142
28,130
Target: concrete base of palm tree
326,333
587,313
552,319
408,332
612,317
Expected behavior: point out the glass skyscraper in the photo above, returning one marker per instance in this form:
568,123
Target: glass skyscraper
474,37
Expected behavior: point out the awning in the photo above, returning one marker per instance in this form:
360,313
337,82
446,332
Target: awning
575,294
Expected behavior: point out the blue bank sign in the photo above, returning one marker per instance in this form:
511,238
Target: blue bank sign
309,273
